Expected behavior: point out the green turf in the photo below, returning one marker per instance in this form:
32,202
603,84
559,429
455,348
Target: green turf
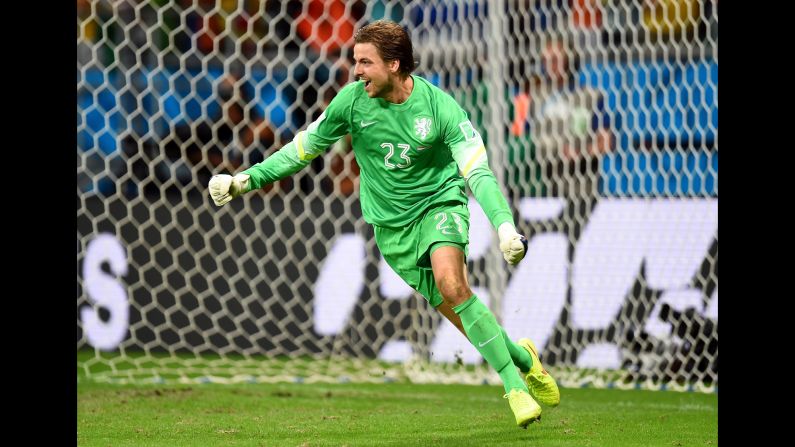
382,414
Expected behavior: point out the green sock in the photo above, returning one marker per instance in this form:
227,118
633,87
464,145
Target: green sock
519,355
485,334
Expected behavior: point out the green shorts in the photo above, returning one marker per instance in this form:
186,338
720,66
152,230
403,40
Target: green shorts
408,250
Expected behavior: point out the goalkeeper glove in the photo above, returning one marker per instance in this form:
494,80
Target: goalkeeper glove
512,244
224,188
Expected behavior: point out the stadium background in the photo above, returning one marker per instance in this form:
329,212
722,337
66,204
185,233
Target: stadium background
619,288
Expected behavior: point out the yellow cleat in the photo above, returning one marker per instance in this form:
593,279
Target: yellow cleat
541,384
525,409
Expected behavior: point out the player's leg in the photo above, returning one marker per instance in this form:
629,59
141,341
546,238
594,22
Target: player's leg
448,312
406,250
519,355
523,353
479,323
481,328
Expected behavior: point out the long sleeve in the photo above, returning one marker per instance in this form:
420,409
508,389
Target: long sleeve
326,130
283,163
469,153
487,192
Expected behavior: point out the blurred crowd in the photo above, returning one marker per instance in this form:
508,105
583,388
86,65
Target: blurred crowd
268,68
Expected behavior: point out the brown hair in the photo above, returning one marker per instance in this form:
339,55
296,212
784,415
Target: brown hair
391,41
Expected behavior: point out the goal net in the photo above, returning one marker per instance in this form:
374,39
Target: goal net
600,120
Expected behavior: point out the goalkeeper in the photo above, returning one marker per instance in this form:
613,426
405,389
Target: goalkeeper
416,149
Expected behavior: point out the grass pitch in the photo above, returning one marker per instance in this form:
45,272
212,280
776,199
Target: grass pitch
395,414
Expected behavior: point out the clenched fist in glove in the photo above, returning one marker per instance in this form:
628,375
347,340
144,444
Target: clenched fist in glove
224,188
512,244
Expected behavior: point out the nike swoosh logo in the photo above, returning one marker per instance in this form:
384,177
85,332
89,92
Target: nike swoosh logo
365,124
480,345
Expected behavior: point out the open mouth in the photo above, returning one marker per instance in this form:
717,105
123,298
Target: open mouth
367,83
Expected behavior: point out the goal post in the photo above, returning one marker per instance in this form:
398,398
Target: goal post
600,121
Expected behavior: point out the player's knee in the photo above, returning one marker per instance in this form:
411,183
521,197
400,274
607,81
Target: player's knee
453,290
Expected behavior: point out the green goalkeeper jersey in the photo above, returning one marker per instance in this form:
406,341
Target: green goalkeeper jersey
411,155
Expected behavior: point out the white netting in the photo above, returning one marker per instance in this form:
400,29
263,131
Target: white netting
601,122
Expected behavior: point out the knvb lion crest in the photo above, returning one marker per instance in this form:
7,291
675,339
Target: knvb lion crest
422,127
